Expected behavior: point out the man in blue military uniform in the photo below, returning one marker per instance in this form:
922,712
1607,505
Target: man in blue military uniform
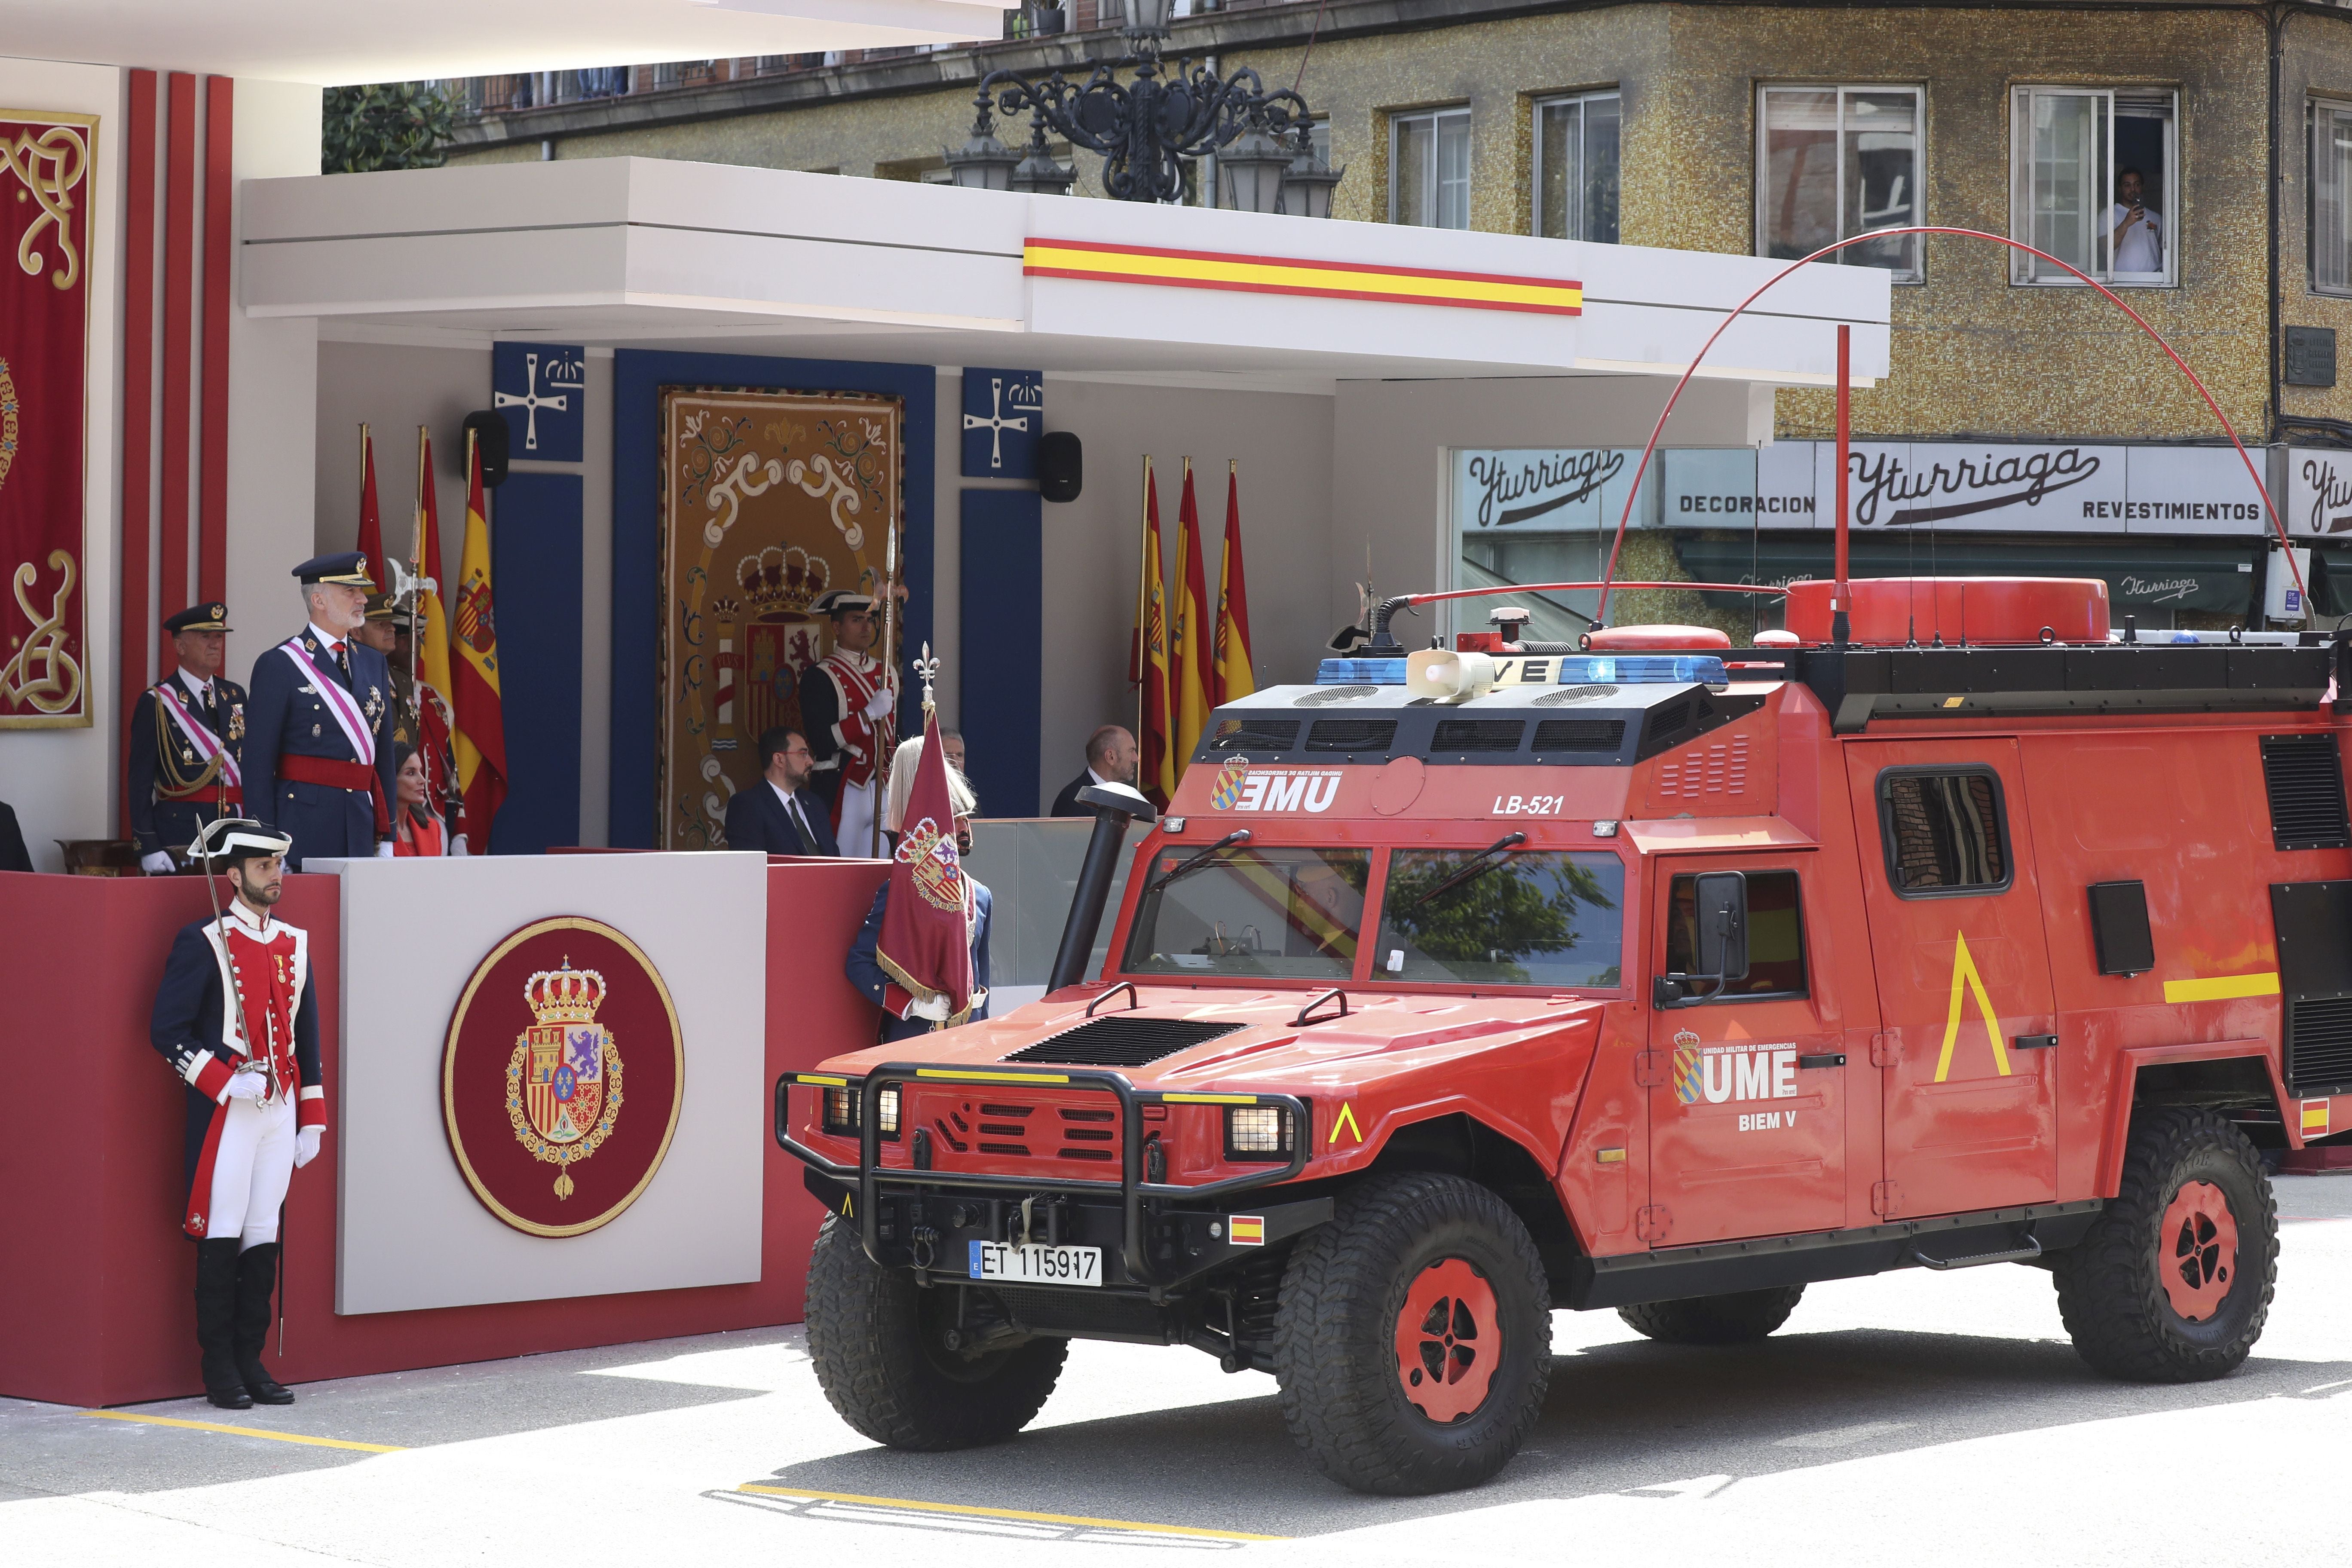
186,738
318,754
236,1018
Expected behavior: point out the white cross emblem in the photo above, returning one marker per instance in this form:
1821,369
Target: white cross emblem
531,402
996,424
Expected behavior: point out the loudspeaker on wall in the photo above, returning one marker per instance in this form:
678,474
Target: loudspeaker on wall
1061,467
490,439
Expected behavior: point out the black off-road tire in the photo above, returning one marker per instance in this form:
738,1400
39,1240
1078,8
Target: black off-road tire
876,1337
2112,1290
1344,1389
1740,1318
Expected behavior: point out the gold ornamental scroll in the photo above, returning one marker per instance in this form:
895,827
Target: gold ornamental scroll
768,501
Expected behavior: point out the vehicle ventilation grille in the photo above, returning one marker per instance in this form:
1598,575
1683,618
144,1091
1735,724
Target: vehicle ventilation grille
2319,1047
1324,696
2306,780
1351,735
1580,734
1254,734
1568,694
1669,718
1123,1040
1477,735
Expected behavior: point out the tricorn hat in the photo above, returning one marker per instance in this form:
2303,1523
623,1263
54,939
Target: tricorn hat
841,601
236,839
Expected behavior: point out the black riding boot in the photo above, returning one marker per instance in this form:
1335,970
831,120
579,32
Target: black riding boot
257,1276
217,1323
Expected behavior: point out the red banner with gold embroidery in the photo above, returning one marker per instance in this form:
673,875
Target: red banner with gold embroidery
47,163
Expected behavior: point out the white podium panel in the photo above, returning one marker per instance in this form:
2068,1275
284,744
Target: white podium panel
410,1231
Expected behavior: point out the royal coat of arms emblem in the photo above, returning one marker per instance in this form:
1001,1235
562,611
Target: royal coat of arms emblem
563,1082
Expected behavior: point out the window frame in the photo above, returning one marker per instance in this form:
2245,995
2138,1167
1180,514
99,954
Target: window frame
1804,947
1536,109
1882,789
2317,108
1917,273
2024,269
1398,121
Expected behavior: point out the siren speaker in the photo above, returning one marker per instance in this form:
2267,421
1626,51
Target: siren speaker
1447,676
490,439
1061,467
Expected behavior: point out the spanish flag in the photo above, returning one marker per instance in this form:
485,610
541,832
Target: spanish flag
481,722
431,652
1157,777
1189,672
1233,677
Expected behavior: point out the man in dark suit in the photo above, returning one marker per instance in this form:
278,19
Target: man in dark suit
318,754
186,738
1112,757
780,813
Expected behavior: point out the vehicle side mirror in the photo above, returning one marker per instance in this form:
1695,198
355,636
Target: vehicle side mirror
1723,926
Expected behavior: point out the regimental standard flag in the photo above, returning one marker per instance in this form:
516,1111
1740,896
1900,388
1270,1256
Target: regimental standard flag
371,541
1158,776
925,945
1232,671
1190,671
435,726
481,719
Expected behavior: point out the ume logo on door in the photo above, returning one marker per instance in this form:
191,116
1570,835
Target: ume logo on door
1738,1073
1238,788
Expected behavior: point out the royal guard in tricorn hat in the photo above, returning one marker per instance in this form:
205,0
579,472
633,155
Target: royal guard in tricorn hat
187,736
847,698
318,757
237,1019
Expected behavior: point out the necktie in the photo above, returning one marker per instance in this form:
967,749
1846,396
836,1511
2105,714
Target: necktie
800,823
344,660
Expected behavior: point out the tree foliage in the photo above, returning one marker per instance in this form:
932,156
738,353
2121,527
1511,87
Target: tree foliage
1491,926
384,125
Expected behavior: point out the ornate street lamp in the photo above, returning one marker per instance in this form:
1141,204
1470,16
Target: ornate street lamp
1307,183
1147,128
1038,174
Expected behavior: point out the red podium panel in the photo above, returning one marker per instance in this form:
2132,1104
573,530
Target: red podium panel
98,1308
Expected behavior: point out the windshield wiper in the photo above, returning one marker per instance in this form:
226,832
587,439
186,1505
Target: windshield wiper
1477,866
1238,836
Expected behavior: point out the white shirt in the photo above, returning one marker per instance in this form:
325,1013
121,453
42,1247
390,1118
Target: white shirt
201,689
332,643
1093,777
800,818
2141,247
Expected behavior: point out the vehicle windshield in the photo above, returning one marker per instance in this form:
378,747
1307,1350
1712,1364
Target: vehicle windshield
1268,912
1538,919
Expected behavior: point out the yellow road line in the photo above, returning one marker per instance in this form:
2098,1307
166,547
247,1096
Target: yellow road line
2222,988
247,1432
1006,1514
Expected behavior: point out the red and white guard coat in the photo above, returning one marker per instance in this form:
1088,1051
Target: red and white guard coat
850,747
240,1156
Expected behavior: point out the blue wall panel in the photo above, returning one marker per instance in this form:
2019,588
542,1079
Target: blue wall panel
638,376
535,573
1002,669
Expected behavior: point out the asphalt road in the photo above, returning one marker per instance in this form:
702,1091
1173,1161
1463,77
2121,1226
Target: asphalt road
1920,1418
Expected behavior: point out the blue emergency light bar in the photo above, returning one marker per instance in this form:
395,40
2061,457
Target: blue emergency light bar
1567,669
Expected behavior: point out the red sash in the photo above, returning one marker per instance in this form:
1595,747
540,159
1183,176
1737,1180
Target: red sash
333,772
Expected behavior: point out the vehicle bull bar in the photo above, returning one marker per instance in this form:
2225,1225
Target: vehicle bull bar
869,1176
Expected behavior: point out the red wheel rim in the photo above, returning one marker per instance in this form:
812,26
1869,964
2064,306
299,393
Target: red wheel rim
2197,1250
1447,1341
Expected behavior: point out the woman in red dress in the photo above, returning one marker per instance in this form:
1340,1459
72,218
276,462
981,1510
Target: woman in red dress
416,829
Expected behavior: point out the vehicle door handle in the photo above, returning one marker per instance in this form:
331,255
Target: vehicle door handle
2034,1042
1827,1059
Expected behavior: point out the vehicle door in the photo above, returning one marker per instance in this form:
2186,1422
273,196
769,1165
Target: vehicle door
1746,1070
1963,971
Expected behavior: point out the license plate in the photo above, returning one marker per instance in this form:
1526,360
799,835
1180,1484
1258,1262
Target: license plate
1036,1264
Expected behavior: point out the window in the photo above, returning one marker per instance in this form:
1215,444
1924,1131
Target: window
1454,917
1429,169
2095,185
1836,162
1242,911
2331,198
1576,168
1943,831
1776,940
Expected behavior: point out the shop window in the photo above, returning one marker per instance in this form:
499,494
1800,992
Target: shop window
1943,831
1575,167
1429,169
2095,184
1776,938
1837,162
2331,198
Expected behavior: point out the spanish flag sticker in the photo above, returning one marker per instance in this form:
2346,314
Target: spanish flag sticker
1246,1230
2315,1119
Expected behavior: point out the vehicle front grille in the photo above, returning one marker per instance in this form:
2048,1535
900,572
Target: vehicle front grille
1124,1040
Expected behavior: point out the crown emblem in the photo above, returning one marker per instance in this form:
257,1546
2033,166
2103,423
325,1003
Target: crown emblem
723,609
781,584
565,995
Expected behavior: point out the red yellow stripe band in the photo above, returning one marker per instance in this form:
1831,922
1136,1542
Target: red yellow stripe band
1287,275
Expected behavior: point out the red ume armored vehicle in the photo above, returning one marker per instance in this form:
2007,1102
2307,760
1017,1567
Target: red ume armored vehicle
1651,975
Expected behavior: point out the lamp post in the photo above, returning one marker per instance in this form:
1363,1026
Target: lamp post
1147,128
1307,183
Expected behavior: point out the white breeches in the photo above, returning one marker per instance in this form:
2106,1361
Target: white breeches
251,1167
855,835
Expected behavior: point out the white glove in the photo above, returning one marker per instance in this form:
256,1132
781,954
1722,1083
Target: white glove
880,704
383,850
159,863
250,1083
934,1008
306,1145
458,844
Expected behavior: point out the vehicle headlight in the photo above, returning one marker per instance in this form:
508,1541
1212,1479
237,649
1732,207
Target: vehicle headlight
841,1110
886,1112
1257,1133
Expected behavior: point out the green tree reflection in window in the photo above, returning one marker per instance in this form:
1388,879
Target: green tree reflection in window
1537,919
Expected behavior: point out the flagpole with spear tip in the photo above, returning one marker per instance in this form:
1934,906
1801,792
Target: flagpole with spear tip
889,683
